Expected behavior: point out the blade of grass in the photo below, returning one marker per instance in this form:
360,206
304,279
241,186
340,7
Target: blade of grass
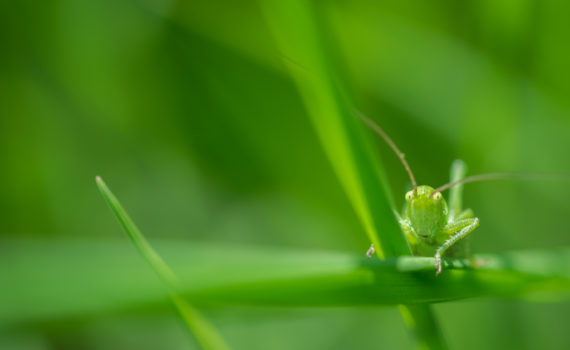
351,281
338,129
295,28
204,332
108,276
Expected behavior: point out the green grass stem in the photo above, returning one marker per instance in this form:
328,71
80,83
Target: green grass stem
204,332
296,29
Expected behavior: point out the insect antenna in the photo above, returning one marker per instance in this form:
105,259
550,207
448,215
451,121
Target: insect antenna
501,176
377,129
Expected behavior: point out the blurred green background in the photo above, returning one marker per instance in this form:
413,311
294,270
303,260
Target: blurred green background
188,112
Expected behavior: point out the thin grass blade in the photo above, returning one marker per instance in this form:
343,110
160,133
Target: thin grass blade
204,332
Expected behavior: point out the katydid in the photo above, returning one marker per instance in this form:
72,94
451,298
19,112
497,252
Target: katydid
431,226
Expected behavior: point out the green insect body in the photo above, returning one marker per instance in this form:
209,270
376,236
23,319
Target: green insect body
431,226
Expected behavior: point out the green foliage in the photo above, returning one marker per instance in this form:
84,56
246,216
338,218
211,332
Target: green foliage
188,107
223,274
296,28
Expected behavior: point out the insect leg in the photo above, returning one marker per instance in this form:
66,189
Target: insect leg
370,251
466,214
460,229
458,170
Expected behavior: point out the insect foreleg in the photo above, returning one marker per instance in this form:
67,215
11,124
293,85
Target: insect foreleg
460,229
466,214
370,251
458,170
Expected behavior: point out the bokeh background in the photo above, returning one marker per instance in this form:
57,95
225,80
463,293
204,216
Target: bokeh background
188,112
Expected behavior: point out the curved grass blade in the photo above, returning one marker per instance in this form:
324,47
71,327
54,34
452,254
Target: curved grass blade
200,327
295,27
339,131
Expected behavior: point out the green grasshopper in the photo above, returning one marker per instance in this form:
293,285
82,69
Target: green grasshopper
431,226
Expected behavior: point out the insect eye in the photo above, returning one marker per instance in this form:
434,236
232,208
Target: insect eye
409,196
437,196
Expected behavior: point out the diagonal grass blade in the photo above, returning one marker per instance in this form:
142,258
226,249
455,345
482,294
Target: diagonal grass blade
203,331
